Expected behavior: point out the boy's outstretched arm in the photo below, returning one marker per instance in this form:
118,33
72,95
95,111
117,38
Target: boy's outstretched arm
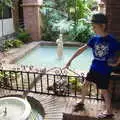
78,52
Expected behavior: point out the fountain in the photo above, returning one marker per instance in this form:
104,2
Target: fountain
14,108
59,42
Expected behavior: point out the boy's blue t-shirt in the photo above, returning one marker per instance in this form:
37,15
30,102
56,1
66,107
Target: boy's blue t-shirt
104,49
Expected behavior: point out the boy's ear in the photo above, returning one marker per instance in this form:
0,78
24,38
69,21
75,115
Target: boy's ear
104,26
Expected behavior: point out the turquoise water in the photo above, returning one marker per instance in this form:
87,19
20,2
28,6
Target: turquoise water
46,56
35,115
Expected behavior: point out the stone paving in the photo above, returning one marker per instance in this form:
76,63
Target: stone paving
91,109
57,108
61,108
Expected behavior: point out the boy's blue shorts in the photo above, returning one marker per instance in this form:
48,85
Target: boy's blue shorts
101,81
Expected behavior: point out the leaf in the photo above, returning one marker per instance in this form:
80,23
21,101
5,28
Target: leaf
6,3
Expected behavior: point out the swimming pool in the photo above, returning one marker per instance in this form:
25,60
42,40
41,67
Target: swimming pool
46,56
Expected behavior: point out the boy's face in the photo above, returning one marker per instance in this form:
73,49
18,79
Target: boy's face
98,28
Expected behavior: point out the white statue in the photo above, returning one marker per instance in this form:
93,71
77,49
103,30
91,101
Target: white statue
59,42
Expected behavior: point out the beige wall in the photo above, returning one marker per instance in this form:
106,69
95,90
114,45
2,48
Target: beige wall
8,27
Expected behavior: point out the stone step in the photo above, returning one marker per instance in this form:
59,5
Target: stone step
61,108
77,117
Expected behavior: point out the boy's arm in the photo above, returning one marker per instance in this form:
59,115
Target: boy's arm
78,52
116,64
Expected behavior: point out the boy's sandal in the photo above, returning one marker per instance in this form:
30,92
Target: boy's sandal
79,106
104,116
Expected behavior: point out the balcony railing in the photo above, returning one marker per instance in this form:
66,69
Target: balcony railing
54,81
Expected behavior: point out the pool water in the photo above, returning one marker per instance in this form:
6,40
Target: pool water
35,115
46,56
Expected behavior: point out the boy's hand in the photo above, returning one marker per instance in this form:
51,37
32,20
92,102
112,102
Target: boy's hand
67,65
116,63
113,65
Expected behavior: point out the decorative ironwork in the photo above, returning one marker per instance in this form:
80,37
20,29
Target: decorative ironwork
63,84
54,81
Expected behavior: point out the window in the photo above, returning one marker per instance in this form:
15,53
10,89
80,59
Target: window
6,12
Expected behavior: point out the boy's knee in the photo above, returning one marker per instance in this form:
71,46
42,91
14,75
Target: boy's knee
104,91
86,84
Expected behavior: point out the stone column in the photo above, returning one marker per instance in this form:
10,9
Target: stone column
32,19
15,15
112,11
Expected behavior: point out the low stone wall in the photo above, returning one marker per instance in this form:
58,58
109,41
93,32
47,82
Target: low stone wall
15,54
115,87
68,44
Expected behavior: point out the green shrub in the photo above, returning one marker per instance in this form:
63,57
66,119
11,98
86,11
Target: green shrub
82,32
76,84
8,44
49,35
23,36
83,35
6,77
12,44
17,43
74,81
66,19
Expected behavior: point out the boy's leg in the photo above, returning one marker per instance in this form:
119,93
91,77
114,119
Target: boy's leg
85,90
80,104
110,89
86,83
107,99
88,80
102,82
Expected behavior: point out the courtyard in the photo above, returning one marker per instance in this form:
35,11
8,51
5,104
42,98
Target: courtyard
52,92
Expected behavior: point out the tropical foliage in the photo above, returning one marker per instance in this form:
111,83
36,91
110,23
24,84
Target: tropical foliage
5,78
12,44
68,17
3,4
23,35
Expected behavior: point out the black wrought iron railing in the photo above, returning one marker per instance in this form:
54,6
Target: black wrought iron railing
54,81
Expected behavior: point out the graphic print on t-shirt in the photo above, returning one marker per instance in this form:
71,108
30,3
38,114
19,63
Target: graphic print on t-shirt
101,51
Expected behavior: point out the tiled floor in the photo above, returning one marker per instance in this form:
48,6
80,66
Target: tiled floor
61,108
91,109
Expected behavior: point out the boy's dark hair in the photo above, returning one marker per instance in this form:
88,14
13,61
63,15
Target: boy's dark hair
99,18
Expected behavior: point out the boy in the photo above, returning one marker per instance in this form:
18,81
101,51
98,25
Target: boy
104,47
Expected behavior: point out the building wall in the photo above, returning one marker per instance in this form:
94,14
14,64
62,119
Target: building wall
6,22
112,11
